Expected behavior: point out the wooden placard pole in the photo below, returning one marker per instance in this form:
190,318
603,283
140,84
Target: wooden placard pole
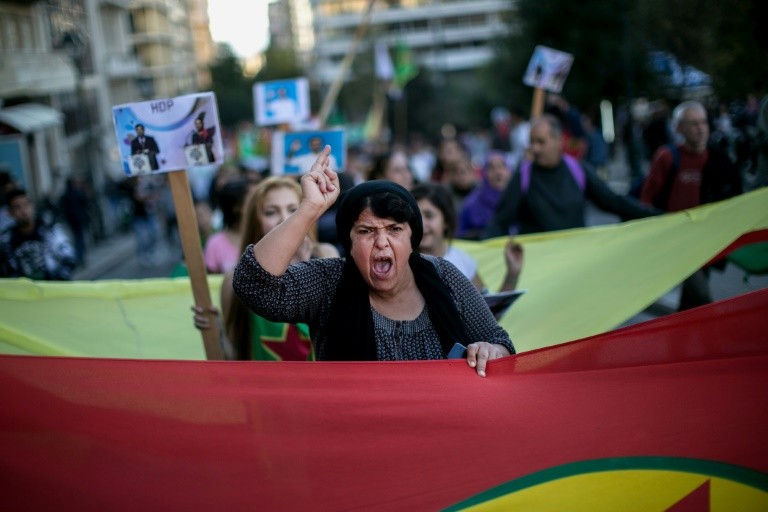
333,92
537,107
193,255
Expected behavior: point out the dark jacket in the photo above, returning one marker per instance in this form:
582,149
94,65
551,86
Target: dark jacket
554,201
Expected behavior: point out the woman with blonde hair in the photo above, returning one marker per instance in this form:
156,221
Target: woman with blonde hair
247,335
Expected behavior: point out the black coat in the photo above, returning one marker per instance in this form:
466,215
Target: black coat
149,147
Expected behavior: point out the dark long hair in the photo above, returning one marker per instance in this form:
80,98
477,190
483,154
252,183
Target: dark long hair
351,335
439,196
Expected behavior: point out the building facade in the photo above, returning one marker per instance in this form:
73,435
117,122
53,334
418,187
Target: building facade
163,42
443,35
65,63
204,48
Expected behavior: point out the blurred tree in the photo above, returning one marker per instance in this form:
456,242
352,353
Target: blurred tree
232,89
739,63
600,36
356,96
610,42
726,40
279,63
685,28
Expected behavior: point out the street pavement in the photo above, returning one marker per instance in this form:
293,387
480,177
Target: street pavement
115,258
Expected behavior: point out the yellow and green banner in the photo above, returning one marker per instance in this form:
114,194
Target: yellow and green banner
579,283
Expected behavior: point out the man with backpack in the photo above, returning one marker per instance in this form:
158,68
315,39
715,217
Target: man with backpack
550,192
690,174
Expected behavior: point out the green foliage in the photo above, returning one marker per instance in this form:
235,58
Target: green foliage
232,89
727,40
405,67
739,63
435,98
608,38
597,33
356,96
610,41
280,63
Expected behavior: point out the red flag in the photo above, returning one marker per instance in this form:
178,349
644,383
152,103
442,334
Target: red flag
682,397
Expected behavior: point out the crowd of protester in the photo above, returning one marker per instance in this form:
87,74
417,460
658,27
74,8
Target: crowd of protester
515,176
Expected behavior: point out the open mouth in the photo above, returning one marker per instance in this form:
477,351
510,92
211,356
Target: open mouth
382,267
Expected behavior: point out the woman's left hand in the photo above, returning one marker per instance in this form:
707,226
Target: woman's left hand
320,186
203,316
478,355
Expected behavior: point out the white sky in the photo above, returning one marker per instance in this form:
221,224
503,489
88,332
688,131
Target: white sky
241,23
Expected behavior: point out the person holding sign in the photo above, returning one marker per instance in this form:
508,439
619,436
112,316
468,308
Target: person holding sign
250,336
145,145
385,301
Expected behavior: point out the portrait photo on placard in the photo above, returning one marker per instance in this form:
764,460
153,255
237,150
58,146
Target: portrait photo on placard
281,101
295,152
168,134
548,69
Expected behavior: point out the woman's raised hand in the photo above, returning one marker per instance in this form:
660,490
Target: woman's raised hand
320,186
513,256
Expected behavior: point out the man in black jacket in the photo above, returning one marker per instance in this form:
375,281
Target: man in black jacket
144,144
31,248
550,193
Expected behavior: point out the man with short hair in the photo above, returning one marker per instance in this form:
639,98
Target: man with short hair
302,162
283,108
146,145
690,174
550,193
32,249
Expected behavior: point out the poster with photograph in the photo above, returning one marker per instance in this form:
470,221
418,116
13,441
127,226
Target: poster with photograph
281,101
548,69
295,152
168,134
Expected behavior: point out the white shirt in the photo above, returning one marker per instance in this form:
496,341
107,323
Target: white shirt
463,261
303,163
283,109
519,140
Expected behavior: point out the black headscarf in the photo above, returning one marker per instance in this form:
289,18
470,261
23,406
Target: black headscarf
350,333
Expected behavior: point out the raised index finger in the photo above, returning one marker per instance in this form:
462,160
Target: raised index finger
321,162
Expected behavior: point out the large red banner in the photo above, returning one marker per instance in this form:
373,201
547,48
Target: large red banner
681,395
